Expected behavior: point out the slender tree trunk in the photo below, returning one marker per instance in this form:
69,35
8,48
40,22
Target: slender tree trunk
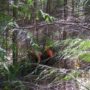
78,7
65,9
15,10
48,7
15,47
72,7
35,14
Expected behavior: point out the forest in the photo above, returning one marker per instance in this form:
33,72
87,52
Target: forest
44,44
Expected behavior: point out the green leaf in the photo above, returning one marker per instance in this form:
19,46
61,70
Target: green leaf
6,67
67,77
85,57
30,2
45,16
85,45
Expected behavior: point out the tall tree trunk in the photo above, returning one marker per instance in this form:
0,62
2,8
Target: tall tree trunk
15,47
72,7
65,9
48,7
15,10
35,15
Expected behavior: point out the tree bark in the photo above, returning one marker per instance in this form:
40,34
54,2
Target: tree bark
15,10
48,7
72,7
15,47
65,9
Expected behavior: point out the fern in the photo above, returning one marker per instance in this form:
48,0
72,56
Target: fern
76,48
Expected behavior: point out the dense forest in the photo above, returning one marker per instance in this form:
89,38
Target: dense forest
44,44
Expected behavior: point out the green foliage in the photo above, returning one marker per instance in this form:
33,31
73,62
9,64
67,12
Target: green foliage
45,16
85,3
69,48
27,11
13,85
3,61
76,48
24,11
49,42
12,74
4,20
2,54
85,45
30,2
85,57
71,75
87,7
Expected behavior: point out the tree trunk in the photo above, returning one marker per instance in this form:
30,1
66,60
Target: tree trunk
48,7
65,9
15,47
72,7
15,10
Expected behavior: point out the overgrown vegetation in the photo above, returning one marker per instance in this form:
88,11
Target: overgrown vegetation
43,44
